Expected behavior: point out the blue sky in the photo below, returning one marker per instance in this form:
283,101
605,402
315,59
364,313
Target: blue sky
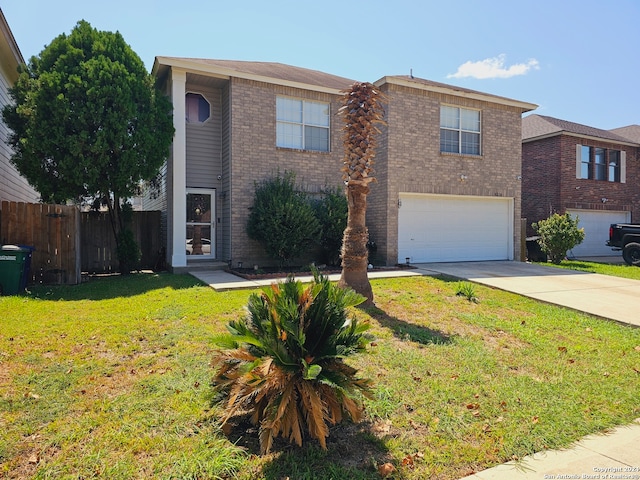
576,59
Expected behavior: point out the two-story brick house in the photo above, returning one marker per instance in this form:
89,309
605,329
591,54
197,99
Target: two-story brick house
448,163
588,172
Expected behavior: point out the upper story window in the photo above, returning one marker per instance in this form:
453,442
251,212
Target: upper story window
197,108
302,124
459,130
597,163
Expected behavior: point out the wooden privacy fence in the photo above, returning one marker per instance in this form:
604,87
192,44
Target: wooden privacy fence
98,250
68,242
54,232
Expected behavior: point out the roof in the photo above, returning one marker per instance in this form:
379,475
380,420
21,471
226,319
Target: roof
631,132
429,85
268,72
535,127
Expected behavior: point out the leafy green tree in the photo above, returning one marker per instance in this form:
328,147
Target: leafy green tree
87,120
558,235
282,219
331,212
283,363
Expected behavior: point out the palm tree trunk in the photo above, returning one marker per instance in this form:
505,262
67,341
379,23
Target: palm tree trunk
355,256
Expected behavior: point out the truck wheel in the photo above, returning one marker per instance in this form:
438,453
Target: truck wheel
631,254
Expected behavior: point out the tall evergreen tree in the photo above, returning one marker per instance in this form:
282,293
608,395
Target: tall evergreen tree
87,121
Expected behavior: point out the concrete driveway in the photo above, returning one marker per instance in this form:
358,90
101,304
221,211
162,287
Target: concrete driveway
602,295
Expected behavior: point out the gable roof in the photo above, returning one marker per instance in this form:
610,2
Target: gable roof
269,72
429,85
536,127
631,132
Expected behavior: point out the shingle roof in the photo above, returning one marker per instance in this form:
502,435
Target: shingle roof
272,70
534,126
631,132
430,85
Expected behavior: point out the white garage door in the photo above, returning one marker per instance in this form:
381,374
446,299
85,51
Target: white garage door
449,228
596,231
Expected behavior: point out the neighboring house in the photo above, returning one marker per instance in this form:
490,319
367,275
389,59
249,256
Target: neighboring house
588,172
13,187
448,163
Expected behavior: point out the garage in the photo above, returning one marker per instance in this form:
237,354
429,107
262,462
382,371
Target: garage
451,228
596,231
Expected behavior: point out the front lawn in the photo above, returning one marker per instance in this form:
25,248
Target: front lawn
616,270
110,379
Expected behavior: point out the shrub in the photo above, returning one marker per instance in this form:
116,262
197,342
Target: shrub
331,212
467,290
283,363
128,251
282,219
558,234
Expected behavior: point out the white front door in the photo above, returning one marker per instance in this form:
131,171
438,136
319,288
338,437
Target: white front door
201,208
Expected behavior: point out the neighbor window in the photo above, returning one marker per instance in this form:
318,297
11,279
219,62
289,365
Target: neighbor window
197,108
459,130
302,124
600,163
614,165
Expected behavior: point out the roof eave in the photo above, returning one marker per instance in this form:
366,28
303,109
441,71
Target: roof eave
579,135
524,106
11,47
227,73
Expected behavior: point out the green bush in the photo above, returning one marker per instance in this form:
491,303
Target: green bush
282,219
558,234
128,251
331,212
283,364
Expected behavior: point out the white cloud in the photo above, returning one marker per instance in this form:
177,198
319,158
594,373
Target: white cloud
493,68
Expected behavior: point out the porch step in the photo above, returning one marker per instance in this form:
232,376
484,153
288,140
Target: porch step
201,267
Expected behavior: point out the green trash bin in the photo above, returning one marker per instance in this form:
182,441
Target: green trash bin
13,264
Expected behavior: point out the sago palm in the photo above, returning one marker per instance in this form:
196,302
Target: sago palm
284,362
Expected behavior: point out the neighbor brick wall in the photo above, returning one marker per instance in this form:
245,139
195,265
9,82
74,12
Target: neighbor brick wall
410,160
255,157
550,184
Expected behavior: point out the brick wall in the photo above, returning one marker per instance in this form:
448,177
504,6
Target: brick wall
410,160
255,157
550,184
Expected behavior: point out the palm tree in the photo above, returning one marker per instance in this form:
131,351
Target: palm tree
361,111
283,363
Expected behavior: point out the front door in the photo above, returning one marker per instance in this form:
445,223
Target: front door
201,222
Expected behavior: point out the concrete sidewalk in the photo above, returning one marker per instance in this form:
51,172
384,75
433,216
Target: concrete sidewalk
605,296
611,455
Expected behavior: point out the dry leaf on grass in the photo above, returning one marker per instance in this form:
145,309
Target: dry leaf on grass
386,469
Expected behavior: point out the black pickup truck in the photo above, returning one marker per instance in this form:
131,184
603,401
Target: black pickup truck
626,237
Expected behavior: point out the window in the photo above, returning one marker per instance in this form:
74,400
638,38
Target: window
600,164
302,124
197,108
459,130
585,160
614,165
597,163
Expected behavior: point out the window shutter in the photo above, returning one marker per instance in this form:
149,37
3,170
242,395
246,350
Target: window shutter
623,167
578,161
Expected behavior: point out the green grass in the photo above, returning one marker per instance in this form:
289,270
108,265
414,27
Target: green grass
110,379
622,270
